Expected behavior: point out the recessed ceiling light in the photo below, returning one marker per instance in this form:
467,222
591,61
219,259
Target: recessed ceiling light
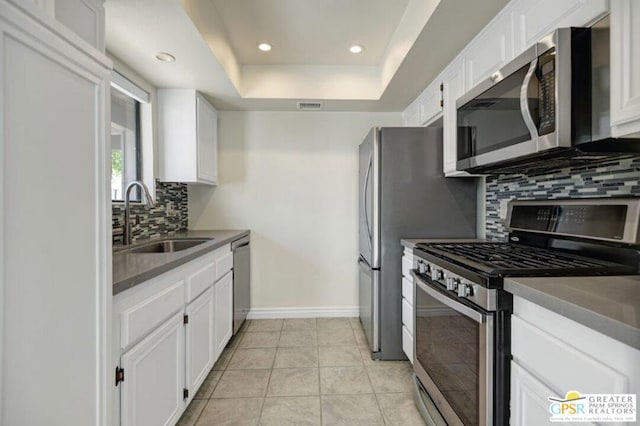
265,47
356,48
165,57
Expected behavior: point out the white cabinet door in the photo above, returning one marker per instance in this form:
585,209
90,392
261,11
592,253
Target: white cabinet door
187,137
223,323
200,354
534,19
152,391
411,116
55,297
529,403
453,89
491,50
625,68
431,103
207,137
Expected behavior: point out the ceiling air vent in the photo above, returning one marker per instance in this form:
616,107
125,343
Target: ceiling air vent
309,106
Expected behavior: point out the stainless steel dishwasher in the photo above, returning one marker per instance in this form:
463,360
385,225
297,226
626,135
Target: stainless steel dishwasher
241,281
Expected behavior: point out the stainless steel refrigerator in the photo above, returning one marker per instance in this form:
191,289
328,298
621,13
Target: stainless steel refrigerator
403,194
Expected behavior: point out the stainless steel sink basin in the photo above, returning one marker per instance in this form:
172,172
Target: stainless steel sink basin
166,246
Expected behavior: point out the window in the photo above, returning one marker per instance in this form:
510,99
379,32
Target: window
125,144
130,137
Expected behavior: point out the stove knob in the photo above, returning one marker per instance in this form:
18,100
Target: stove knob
436,274
464,290
452,283
422,268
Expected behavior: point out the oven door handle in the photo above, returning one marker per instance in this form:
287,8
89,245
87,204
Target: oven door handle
478,317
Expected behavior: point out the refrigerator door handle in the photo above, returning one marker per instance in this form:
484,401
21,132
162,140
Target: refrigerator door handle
364,196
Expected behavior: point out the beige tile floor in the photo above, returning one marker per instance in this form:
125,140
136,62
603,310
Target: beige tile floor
303,372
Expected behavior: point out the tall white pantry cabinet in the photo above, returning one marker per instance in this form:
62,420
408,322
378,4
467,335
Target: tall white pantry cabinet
55,251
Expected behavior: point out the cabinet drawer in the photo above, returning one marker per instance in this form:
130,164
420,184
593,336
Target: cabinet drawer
199,281
407,343
408,253
556,362
407,290
224,263
148,314
407,266
407,315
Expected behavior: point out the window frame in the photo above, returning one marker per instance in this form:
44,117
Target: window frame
142,99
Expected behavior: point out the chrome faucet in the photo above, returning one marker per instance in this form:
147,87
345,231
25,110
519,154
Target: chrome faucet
126,239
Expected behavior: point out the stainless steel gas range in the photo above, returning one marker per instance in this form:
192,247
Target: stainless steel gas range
462,314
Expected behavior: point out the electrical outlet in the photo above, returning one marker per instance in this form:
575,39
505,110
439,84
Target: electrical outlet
504,204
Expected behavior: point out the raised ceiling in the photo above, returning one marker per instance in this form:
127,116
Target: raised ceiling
309,32
215,43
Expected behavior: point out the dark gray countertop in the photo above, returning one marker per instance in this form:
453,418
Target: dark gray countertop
131,269
609,305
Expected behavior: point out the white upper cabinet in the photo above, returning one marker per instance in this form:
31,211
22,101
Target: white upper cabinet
426,108
518,26
431,104
453,86
625,68
188,137
411,116
489,51
533,19
83,17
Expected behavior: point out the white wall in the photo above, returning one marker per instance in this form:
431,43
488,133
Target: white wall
291,177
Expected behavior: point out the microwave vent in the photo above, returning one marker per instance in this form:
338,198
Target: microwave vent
483,104
309,106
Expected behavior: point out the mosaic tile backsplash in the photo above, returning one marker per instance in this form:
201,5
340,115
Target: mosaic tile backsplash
607,178
169,215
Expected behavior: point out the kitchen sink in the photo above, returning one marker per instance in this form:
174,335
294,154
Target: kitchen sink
166,246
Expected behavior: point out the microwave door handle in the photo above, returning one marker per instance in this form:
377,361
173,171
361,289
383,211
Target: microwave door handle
524,100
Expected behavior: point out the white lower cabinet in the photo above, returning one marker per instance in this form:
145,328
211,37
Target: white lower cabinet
201,349
167,335
223,311
152,390
553,355
407,304
529,403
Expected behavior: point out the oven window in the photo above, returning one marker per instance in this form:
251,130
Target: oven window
494,119
447,347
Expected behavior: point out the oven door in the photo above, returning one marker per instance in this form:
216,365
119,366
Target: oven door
454,354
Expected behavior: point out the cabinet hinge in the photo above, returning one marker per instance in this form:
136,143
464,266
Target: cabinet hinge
441,103
119,375
185,393
442,87
185,319
441,95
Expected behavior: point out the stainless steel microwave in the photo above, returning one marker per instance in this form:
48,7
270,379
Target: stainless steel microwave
551,102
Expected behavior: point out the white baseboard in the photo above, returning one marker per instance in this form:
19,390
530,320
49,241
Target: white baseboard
323,312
